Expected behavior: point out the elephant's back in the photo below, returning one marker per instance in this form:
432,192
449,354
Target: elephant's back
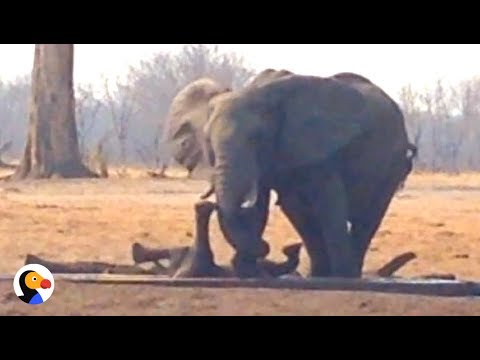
267,76
382,146
351,77
389,118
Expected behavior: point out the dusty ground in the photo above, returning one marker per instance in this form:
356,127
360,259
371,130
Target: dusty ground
436,216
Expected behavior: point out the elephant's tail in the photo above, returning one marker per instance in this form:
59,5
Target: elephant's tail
407,157
412,151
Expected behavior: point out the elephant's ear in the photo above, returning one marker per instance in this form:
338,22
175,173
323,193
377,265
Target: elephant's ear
183,129
318,120
190,105
205,143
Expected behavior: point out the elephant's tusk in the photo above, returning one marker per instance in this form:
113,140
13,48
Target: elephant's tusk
251,197
248,204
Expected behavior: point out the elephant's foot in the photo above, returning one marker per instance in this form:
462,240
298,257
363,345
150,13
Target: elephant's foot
90,267
246,266
318,271
183,262
175,256
386,270
142,253
196,265
277,269
292,251
199,261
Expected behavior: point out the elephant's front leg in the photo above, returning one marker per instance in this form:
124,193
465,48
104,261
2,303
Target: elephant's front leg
299,214
244,231
328,202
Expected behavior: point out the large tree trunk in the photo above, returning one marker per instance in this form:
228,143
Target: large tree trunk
52,145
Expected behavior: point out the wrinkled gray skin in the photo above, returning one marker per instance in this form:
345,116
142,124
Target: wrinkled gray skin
188,116
334,149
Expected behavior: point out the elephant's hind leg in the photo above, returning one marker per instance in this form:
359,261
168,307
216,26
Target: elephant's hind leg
328,202
368,217
315,202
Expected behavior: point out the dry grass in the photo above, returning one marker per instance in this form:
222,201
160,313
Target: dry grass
436,216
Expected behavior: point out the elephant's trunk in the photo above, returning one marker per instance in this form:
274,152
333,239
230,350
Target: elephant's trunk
235,186
234,193
235,181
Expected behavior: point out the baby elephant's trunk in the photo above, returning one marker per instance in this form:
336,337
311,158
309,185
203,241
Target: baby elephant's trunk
276,269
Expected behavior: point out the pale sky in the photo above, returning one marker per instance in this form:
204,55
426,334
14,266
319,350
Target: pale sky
391,66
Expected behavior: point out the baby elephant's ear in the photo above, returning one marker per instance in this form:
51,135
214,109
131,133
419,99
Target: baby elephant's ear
318,121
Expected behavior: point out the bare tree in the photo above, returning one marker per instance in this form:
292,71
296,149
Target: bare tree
98,159
121,104
443,123
195,61
410,101
129,124
151,154
87,110
469,124
13,114
155,83
52,144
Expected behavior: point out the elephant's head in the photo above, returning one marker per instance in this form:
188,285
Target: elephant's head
235,175
187,116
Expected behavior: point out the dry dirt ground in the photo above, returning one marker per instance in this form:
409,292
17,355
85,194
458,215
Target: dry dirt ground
436,216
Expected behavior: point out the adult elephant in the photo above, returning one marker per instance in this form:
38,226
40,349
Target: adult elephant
188,115
334,149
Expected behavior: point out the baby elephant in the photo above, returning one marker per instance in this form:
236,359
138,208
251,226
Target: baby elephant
183,261
198,260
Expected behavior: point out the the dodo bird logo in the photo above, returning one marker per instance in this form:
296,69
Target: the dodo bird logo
33,284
